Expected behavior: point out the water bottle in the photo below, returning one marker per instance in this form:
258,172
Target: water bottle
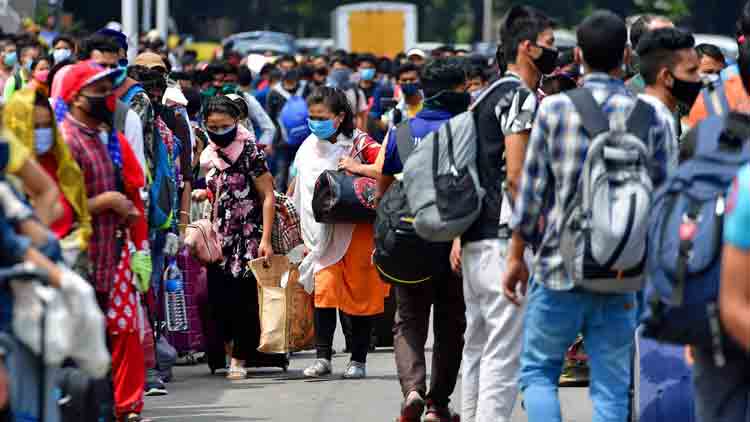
174,298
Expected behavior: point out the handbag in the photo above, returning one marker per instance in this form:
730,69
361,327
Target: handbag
340,197
287,230
202,239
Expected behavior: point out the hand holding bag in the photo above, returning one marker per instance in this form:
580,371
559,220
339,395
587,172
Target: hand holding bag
341,197
201,238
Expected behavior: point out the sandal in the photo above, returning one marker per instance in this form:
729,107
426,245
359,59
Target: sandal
236,373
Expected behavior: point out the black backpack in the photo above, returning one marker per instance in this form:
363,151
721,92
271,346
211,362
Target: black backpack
401,256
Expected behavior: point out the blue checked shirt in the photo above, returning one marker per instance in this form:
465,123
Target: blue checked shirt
554,160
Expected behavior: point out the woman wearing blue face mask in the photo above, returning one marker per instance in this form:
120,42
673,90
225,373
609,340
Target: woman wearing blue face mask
338,263
29,118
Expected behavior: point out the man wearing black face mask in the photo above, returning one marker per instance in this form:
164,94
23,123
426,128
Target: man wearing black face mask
444,86
669,66
505,113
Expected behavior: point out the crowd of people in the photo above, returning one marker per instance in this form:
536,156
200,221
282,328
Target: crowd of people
106,163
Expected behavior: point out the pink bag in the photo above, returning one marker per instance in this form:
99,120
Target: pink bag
202,239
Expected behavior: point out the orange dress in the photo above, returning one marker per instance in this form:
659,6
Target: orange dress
353,284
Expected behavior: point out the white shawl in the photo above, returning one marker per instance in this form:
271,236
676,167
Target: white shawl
327,243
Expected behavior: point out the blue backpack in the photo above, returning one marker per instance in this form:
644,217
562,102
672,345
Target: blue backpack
293,117
686,238
162,189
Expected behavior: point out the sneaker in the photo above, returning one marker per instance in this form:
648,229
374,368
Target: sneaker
355,371
154,385
320,368
435,413
413,407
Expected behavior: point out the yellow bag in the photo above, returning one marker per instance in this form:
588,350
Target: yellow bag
286,314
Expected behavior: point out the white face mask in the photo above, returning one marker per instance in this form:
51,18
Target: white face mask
61,54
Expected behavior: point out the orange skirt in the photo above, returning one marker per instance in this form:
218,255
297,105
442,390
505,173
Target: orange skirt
353,284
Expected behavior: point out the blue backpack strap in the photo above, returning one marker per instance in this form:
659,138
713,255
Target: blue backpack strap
130,93
715,99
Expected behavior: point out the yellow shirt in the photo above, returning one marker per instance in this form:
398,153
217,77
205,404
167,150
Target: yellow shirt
13,154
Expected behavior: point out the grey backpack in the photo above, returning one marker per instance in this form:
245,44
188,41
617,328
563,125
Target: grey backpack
442,182
610,211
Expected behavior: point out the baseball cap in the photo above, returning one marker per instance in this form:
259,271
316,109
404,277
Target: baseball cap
149,60
83,74
416,52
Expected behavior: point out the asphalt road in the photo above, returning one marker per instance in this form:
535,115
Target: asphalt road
270,395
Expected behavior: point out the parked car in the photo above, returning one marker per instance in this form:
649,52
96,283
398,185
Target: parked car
260,42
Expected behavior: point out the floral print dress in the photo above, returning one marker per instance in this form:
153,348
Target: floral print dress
239,217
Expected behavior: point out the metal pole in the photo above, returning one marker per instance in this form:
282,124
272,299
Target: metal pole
148,16
130,26
487,32
162,18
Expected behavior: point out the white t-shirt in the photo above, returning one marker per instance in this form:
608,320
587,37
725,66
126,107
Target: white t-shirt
663,114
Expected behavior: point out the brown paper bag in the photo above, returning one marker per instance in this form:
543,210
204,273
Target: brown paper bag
286,315
272,303
301,330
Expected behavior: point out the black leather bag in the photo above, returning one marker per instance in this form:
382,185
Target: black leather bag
340,197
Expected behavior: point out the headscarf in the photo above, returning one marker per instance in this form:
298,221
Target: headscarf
18,119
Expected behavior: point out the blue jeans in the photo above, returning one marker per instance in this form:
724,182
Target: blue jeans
23,370
553,320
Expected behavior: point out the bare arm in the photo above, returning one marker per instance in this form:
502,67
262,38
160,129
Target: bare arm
185,202
42,191
734,296
515,155
264,186
384,180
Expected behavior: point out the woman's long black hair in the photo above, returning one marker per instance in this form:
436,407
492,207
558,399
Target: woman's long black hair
335,100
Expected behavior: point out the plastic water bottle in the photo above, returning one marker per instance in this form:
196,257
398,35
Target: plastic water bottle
174,298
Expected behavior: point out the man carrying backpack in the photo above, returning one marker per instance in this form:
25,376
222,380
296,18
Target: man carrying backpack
288,110
723,393
568,297
504,115
444,84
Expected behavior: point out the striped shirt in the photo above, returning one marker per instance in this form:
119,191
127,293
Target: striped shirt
557,150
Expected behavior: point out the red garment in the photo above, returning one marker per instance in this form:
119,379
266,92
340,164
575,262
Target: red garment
122,309
63,225
99,175
134,180
128,373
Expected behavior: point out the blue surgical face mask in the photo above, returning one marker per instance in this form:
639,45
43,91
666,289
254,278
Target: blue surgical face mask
61,54
27,66
44,138
367,74
323,129
410,89
11,59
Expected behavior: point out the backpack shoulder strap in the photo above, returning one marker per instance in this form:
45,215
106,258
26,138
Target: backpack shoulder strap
301,89
639,121
282,92
715,99
595,122
121,114
404,141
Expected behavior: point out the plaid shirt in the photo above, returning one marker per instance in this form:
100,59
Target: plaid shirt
91,155
554,160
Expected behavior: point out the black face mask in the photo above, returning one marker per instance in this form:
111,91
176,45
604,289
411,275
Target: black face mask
222,140
547,61
453,102
686,92
98,109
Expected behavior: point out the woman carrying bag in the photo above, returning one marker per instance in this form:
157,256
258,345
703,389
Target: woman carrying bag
338,263
240,188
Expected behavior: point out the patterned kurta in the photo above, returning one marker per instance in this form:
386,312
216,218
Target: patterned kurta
239,221
99,175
